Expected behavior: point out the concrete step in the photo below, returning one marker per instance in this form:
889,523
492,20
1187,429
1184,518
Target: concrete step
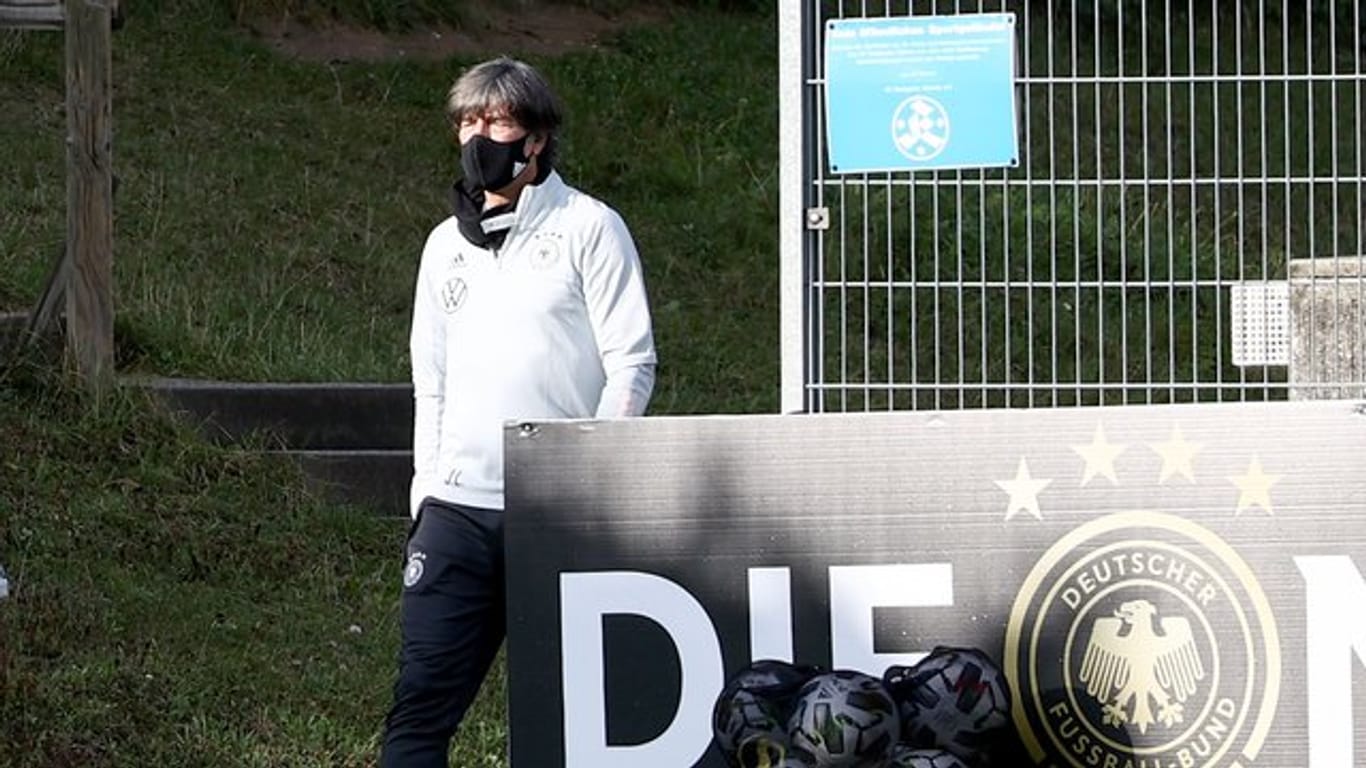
12,326
12,322
353,440
306,416
376,479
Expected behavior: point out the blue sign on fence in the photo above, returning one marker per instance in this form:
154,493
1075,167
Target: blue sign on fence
920,92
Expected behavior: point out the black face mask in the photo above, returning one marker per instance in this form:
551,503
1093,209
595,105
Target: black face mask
492,165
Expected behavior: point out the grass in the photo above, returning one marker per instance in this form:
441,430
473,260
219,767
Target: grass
396,15
183,604
177,603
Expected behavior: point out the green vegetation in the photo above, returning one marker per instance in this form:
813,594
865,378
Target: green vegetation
177,604
397,15
182,604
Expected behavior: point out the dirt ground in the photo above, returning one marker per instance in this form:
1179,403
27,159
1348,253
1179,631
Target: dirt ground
494,28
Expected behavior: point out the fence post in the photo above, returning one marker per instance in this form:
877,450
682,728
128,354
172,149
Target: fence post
90,203
1327,340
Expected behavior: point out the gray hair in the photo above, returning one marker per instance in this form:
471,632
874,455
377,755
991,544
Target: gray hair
506,83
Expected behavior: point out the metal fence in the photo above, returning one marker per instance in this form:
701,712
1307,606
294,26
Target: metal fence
1185,223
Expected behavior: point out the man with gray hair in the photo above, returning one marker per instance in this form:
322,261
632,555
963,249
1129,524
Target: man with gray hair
530,304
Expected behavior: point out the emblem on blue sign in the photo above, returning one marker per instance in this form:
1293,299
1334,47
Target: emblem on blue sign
920,128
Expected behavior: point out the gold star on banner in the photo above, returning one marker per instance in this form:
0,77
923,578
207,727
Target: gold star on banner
1177,453
1100,457
1254,488
1024,492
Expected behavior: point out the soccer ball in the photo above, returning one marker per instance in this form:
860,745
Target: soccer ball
749,720
904,756
843,719
954,699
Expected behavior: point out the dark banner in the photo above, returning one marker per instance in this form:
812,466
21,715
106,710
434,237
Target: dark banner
1165,587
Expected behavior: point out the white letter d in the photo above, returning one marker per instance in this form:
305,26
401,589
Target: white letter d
585,598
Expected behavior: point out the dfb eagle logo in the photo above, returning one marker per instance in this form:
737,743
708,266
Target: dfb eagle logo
1141,665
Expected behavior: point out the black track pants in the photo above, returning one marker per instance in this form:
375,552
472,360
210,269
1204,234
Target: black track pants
453,621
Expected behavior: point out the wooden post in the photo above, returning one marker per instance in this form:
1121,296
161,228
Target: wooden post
90,194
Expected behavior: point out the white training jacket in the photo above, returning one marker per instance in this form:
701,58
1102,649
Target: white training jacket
554,324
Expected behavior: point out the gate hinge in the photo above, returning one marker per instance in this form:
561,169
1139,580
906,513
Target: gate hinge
818,218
